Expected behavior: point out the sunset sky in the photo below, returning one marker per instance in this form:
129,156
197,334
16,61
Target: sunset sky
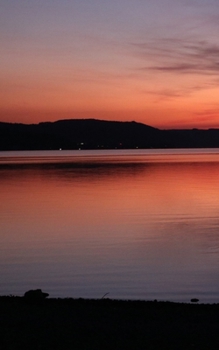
152,61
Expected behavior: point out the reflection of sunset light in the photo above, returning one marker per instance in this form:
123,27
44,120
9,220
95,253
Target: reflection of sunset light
141,225
151,189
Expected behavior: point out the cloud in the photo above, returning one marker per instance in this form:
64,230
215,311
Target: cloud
211,112
162,95
178,91
179,56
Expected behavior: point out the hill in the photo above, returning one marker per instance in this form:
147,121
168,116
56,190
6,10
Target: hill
99,134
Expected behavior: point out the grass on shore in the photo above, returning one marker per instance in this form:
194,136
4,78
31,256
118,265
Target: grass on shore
59,324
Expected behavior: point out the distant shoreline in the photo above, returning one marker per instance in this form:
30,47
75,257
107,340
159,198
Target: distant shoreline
93,134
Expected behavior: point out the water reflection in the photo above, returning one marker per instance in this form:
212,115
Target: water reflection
136,230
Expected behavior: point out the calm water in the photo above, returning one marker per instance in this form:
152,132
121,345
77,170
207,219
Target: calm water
134,224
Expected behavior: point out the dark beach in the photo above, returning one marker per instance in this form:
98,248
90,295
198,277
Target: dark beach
106,324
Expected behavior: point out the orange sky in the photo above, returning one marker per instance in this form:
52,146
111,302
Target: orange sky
152,62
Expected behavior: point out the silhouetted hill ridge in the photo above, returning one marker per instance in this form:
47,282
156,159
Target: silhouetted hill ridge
100,134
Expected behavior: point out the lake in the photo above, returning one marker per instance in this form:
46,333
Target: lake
137,224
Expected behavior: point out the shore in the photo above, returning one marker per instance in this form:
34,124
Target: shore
106,324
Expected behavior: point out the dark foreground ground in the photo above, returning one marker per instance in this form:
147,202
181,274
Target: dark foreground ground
106,324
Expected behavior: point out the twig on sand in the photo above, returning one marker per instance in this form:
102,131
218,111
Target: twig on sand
104,295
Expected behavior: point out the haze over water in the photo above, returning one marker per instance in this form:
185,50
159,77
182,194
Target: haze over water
139,224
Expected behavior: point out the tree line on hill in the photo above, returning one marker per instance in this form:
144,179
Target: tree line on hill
98,134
